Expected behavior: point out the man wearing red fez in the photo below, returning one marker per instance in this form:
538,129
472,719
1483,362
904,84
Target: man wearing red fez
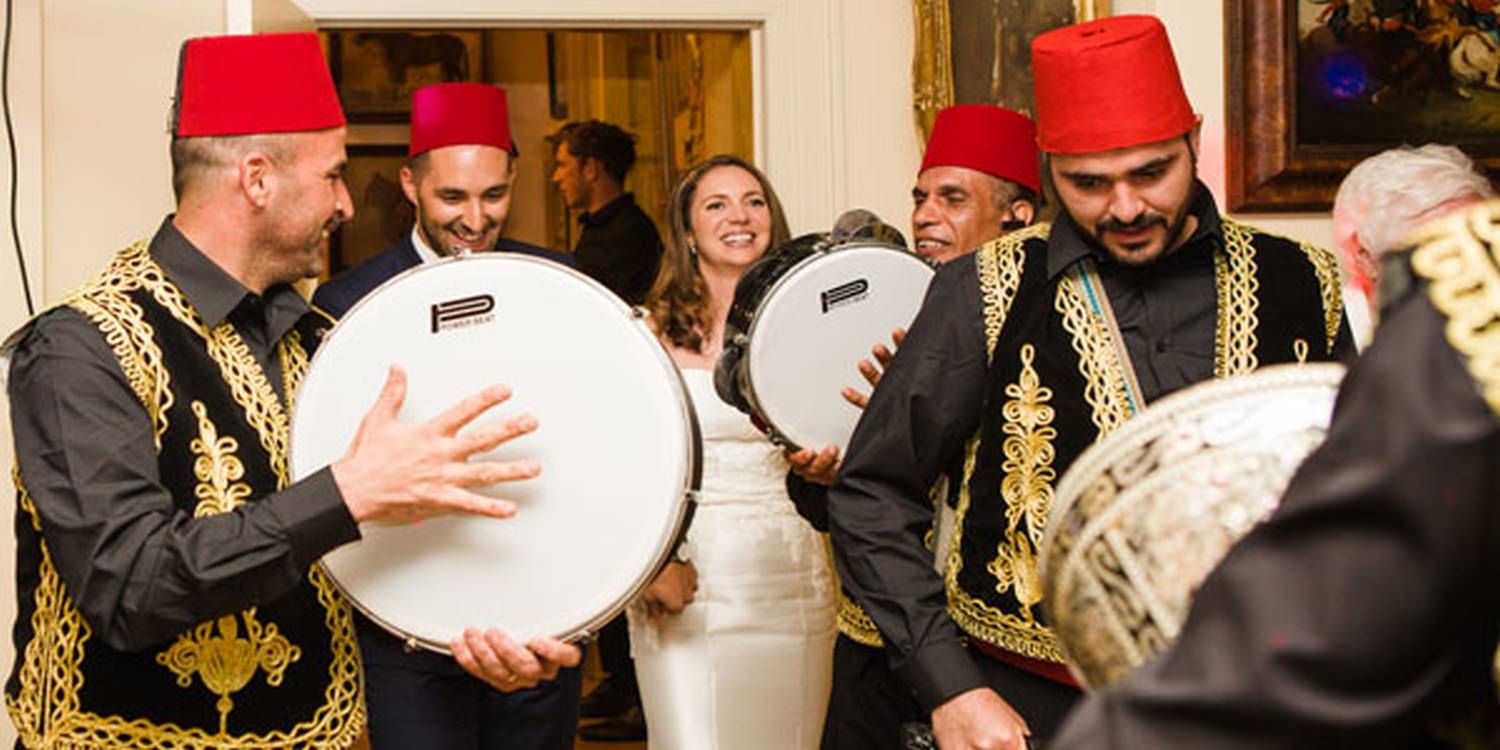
980,178
167,593
460,170
1362,613
459,173
1029,349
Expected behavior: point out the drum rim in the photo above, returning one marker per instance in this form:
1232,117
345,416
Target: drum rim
1106,450
777,434
692,479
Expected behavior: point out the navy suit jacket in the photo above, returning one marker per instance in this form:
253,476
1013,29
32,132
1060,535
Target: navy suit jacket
351,285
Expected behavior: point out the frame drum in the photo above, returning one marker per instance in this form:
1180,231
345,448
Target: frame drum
1146,513
617,441
803,317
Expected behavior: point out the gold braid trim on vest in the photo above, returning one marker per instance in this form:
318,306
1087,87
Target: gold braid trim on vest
46,708
999,264
1457,256
1234,271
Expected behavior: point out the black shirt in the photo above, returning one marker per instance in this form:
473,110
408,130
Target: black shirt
620,248
930,402
139,570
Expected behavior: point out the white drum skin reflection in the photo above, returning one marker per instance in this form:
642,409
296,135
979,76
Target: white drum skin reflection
1145,514
617,443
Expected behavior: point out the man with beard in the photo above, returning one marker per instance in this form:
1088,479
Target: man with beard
1363,612
459,176
979,179
460,169
167,592
1029,349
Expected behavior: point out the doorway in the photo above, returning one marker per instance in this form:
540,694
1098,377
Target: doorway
684,93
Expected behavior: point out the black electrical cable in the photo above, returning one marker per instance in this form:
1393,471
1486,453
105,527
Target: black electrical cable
10,138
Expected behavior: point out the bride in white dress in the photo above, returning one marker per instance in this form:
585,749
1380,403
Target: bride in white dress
733,647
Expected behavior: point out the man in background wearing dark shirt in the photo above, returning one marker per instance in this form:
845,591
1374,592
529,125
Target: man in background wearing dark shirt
1029,349
618,245
166,586
459,176
620,248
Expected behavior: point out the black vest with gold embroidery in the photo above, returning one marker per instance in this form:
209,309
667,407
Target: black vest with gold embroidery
1059,385
284,673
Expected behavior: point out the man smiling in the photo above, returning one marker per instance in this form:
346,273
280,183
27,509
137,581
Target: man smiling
1029,349
459,175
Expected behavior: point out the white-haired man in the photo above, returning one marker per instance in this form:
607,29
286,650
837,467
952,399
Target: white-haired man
1382,200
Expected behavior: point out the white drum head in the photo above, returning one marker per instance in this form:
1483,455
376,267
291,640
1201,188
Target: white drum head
617,444
815,325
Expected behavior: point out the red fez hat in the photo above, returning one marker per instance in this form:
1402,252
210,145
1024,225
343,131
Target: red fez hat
990,139
1107,84
453,114
259,83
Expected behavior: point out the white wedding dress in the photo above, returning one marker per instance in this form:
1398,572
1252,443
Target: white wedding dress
748,664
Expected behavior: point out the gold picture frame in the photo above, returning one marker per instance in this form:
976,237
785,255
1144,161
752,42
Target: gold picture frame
992,43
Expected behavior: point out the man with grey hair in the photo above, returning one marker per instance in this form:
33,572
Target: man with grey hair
1382,200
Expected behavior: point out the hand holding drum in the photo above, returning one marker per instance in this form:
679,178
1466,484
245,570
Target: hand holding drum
537,558
404,473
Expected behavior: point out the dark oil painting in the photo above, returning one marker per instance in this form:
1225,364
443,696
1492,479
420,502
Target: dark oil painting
1375,72
992,45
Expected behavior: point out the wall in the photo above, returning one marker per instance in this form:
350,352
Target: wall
26,116
91,88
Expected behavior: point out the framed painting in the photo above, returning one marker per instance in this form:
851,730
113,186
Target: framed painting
1314,86
979,51
382,213
377,70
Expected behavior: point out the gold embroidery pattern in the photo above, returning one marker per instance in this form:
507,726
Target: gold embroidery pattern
226,662
294,363
854,623
46,708
104,302
1327,267
1103,378
1234,271
1457,256
1027,485
972,614
1000,263
252,391
217,468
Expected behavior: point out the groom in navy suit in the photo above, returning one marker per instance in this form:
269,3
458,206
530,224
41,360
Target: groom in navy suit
459,173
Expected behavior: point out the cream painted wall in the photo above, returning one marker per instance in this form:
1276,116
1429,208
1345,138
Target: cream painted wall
878,134
1197,31
26,116
109,65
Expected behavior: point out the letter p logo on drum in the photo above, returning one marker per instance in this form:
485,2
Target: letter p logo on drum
463,312
845,294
